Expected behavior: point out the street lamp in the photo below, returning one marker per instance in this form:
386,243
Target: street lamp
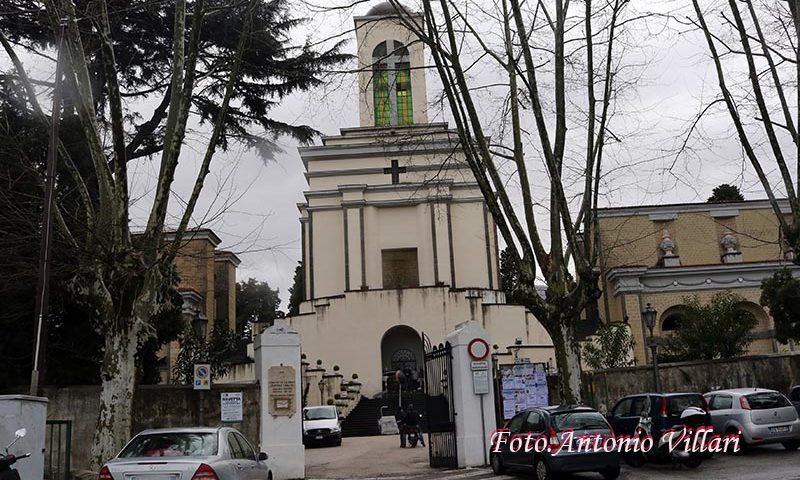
649,317
321,386
200,326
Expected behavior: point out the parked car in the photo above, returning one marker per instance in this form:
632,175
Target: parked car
665,411
552,421
794,397
200,453
322,425
763,416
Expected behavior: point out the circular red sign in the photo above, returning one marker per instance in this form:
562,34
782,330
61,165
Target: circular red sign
478,349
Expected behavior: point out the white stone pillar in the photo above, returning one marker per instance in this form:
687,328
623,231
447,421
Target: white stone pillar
278,351
30,413
475,420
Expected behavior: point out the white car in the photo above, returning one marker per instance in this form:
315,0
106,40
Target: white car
322,425
201,453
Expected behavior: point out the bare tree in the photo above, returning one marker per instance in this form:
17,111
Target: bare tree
556,66
754,49
224,62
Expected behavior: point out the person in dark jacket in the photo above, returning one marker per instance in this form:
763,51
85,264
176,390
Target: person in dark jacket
400,418
413,420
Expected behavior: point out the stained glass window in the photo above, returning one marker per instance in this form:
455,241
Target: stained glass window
391,85
382,100
405,109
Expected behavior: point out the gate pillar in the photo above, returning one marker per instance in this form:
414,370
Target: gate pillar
474,409
278,372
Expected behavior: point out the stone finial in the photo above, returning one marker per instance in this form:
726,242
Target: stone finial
667,245
730,243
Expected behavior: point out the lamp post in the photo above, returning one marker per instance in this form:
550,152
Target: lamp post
321,386
649,317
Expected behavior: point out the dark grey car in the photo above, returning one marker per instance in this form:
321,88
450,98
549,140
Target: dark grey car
553,423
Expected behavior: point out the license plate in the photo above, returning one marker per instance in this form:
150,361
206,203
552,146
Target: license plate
784,429
319,437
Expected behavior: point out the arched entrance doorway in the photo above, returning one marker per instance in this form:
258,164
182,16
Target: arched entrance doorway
401,349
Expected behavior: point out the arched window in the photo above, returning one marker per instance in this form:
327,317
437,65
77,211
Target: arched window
404,359
672,322
391,84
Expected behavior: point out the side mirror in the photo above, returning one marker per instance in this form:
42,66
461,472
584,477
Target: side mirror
262,457
20,433
341,418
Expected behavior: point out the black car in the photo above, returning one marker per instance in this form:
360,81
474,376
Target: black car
552,424
794,397
664,408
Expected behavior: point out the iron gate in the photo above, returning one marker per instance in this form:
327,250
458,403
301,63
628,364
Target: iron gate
439,405
58,447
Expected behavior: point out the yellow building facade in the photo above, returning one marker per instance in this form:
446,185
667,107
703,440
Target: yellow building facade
662,254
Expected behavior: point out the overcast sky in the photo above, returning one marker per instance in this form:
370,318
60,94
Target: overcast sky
251,203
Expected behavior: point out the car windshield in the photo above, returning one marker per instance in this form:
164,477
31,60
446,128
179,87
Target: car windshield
679,403
325,413
171,444
766,400
579,421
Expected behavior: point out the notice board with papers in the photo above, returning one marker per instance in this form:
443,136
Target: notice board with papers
523,385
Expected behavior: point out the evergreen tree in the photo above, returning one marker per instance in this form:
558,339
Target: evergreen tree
781,293
298,289
726,193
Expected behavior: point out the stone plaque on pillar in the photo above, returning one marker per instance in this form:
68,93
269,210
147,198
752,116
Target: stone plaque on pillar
282,389
278,363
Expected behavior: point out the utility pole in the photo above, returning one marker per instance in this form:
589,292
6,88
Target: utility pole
43,283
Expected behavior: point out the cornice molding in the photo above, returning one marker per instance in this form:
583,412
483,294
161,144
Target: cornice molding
717,210
693,278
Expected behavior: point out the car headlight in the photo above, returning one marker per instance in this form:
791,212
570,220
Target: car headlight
336,430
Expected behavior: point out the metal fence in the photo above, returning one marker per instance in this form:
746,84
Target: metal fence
58,450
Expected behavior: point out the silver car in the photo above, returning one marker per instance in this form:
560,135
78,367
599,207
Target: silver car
763,416
188,454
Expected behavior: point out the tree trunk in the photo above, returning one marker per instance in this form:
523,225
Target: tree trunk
567,358
115,419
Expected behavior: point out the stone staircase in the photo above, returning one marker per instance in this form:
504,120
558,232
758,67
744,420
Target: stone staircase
362,420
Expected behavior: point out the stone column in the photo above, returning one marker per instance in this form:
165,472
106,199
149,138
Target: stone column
277,361
30,413
475,418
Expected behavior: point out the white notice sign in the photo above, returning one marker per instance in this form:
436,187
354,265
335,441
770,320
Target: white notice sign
231,406
480,382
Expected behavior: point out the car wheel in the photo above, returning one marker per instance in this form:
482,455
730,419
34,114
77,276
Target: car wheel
542,470
497,465
742,443
791,444
339,442
693,461
611,473
634,459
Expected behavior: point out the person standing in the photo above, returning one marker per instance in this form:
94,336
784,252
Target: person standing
400,418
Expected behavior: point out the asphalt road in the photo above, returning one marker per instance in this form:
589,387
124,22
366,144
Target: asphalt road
382,458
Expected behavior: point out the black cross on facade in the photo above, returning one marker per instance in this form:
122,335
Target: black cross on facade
395,170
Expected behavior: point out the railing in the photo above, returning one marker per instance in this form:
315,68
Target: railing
58,446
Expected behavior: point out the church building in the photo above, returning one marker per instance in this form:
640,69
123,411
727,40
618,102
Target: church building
398,243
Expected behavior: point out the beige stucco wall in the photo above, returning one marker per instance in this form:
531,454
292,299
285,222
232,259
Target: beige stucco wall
347,331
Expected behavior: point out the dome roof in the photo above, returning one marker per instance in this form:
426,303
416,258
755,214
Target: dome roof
385,9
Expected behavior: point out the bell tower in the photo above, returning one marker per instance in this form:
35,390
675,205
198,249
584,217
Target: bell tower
391,66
